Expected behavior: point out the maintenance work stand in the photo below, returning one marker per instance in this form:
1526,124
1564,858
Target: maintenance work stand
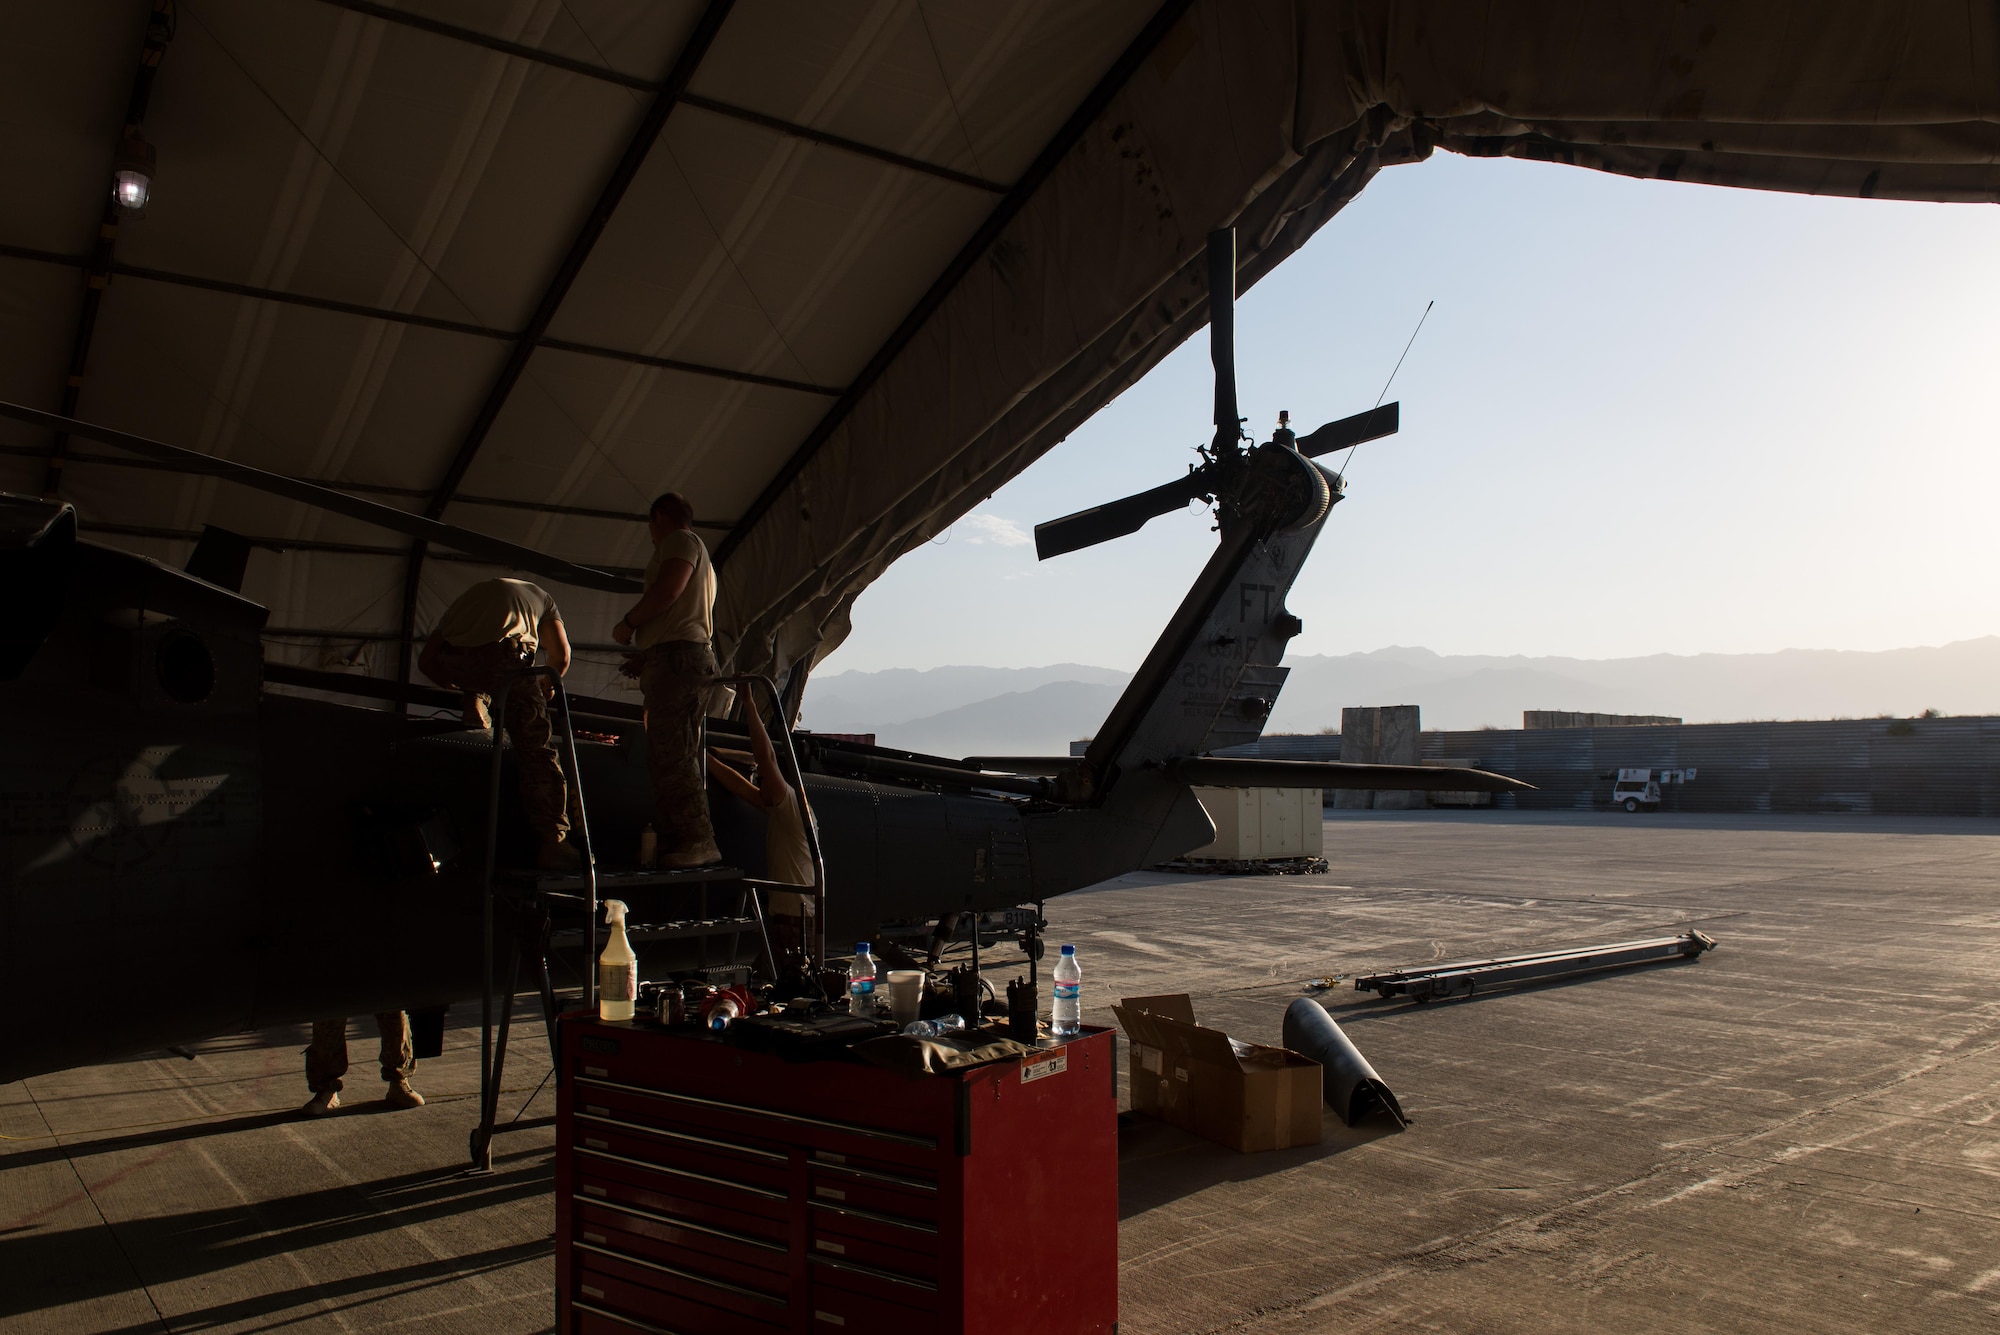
559,913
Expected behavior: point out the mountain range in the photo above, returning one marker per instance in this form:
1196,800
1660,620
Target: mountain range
958,711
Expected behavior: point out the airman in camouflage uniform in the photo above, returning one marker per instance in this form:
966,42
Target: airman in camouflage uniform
672,626
674,680
326,1063
480,646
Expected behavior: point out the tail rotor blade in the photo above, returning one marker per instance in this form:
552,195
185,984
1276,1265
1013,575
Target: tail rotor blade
1087,528
1222,332
1371,425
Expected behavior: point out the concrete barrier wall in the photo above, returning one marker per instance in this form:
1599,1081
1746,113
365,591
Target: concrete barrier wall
1939,767
1942,767
1379,735
1566,718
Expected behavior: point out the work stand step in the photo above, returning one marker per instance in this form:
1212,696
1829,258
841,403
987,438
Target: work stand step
610,882
666,931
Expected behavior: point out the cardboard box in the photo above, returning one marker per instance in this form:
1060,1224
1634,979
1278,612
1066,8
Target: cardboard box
1237,1094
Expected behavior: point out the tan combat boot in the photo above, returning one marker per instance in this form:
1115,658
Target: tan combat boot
559,855
322,1103
701,855
400,1095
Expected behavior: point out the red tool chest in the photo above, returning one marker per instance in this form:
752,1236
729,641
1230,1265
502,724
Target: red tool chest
705,1190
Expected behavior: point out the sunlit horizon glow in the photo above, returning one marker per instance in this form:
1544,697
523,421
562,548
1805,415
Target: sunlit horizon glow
1644,417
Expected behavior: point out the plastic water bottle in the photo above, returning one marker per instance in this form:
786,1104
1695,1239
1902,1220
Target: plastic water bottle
861,976
1068,1017
726,1010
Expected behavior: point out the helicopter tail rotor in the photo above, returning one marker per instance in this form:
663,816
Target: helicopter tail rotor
1222,469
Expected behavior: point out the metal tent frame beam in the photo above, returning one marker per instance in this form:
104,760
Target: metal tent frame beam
356,309
606,74
98,267
1004,212
359,488
272,544
634,157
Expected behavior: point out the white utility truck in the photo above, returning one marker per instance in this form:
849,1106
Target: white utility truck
1636,788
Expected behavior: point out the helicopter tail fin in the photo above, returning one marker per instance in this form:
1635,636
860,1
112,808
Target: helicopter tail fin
1212,677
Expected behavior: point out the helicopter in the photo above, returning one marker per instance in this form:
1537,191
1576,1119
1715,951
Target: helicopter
190,852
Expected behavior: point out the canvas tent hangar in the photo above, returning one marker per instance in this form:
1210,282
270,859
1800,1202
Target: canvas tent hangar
837,271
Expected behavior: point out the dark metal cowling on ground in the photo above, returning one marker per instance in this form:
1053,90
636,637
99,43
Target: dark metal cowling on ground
1353,1089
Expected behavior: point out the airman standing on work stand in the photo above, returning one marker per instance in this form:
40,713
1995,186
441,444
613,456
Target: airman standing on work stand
672,626
787,856
480,645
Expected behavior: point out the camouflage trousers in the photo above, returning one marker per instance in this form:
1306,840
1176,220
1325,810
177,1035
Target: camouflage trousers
675,680
522,707
326,1059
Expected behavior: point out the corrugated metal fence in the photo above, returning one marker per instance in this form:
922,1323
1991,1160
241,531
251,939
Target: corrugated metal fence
1933,767
1930,767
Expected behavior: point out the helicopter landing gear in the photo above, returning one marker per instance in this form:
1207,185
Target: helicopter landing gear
941,936
1032,943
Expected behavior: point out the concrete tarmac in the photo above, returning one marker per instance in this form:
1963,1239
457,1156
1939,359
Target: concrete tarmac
1798,1132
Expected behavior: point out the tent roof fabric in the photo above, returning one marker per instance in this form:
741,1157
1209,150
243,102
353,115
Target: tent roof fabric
836,271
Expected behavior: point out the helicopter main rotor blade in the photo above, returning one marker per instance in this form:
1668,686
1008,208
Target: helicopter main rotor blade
1114,519
1222,333
1371,425
497,550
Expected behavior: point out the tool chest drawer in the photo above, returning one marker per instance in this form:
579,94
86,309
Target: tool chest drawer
621,1289
807,1102
733,1258
872,1192
703,1204
872,1283
703,1188
683,1156
834,1238
835,1308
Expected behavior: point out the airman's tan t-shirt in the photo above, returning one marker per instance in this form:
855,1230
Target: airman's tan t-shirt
692,615
498,609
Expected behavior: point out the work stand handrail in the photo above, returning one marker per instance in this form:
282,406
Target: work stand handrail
492,1054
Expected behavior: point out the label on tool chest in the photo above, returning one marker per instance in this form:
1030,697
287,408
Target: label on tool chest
1053,1062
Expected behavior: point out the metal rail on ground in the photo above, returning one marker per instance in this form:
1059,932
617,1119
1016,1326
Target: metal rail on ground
1461,978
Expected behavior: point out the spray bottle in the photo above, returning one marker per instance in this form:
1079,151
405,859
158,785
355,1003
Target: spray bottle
617,968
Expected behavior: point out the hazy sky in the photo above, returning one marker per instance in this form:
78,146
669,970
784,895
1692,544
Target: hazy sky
1643,417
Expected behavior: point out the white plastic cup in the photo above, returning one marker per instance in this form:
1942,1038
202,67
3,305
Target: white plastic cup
906,994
